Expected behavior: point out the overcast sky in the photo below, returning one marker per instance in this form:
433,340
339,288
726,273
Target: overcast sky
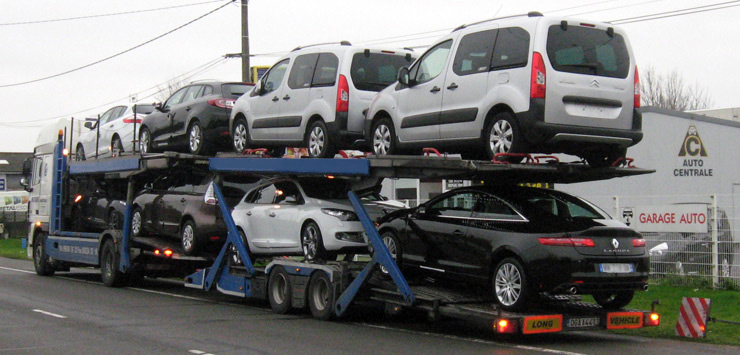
703,47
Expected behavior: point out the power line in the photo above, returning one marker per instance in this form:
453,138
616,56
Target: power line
105,15
117,54
681,12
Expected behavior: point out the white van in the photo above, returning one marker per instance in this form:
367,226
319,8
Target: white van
319,104
518,84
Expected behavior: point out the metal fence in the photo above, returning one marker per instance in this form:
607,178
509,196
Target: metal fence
14,224
710,259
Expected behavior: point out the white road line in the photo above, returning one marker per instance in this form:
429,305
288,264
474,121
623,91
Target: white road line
17,270
198,352
49,313
472,340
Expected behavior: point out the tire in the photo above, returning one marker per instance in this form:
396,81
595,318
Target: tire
240,135
394,247
116,146
188,240
280,290
114,220
600,159
321,296
384,138
317,141
80,153
614,300
502,135
137,222
145,141
312,242
109,260
40,259
510,285
196,141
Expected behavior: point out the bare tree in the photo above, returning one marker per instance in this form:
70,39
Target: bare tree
166,90
670,90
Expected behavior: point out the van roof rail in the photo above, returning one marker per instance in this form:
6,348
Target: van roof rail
529,14
343,43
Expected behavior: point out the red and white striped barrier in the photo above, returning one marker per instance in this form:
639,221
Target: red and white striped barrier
693,317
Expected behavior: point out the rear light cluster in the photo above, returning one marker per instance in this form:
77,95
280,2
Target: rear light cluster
505,326
638,242
210,197
539,77
568,242
167,252
637,88
222,103
653,320
343,95
131,119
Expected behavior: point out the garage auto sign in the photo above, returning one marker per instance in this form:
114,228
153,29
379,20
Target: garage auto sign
684,218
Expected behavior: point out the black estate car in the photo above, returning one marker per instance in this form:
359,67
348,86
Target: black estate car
520,242
195,119
182,205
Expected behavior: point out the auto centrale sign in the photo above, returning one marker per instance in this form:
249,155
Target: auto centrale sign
683,218
692,155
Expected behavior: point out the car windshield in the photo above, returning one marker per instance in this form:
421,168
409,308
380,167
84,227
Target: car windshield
590,51
375,71
554,203
234,91
325,188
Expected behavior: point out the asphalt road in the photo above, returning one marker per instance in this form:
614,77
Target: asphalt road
73,313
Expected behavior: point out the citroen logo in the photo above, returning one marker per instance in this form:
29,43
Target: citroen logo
594,83
615,243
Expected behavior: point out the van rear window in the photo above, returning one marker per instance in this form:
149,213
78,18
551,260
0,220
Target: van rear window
377,70
589,51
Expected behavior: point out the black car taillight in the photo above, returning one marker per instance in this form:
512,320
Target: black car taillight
638,242
223,103
568,242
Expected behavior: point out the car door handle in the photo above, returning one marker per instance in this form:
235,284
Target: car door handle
435,89
275,99
249,213
452,86
286,97
187,108
272,214
183,200
458,233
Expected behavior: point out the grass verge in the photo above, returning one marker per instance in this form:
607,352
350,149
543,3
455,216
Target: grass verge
11,248
725,305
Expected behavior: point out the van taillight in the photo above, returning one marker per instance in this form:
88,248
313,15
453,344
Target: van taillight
342,95
637,88
537,89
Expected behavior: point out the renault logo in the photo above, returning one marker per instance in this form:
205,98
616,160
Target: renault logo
615,243
594,83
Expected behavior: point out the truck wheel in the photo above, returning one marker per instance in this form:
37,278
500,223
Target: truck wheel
137,222
40,259
109,261
145,141
318,143
384,138
280,290
196,143
394,247
187,238
502,135
510,285
240,136
321,296
614,300
312,243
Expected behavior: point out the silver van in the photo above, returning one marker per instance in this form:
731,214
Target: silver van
520,84
314,97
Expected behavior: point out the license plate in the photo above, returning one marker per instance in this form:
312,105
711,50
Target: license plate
582,322
616,268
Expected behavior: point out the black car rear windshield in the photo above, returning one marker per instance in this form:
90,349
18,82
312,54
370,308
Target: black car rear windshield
553,203
591,51
375,71
234,91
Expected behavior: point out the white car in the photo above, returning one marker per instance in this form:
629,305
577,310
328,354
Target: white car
280,217
116,134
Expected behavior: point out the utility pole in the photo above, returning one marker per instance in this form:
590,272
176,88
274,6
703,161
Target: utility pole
245,43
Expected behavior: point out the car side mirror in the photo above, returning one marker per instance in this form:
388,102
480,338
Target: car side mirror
421,210
148,186
403,76
160,107
89,125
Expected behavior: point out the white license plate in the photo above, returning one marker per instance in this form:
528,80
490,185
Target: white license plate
616,268
582,322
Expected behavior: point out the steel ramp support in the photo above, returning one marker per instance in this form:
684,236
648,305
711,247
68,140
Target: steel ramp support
381,256
213,273
125,259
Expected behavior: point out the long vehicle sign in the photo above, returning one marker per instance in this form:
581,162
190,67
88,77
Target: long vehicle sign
543,324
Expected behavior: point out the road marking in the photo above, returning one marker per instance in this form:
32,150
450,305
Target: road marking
198,352
49,313
473,340
17,270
